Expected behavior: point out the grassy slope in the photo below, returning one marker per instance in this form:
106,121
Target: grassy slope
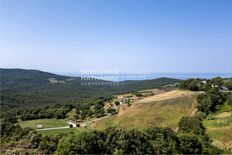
165,111
47,123
219,127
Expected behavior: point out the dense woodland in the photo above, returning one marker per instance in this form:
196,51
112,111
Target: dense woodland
30,91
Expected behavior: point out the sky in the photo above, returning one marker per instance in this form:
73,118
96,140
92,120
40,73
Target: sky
160,36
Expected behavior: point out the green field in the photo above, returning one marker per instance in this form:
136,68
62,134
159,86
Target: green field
219,128
47,123
164,113
224,108
56,132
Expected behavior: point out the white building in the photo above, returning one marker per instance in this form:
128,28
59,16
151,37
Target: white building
39,126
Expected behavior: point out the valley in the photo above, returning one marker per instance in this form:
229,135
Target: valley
163,109
57,112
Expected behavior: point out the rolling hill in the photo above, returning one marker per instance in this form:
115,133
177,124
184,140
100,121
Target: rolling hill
22,88
163,110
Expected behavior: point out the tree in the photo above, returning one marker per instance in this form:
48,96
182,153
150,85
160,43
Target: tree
137,94
48,144
191,84
194,126
163,141
216,96
113,139
189,144
11,119
84,143
229,99
135,142
191,125
205,103
111,110
116,103
217,81
228,84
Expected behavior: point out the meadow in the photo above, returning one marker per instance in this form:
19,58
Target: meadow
162,110
47,123
219,128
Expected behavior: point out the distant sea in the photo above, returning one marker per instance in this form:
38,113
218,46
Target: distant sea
182,76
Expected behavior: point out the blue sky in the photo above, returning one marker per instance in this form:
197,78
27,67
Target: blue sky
164,36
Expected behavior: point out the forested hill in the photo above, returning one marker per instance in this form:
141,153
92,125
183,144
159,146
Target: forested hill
22,81
33,87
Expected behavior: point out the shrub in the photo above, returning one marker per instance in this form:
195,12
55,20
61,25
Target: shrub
116,103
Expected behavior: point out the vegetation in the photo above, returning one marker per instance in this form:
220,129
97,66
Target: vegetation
192,84
219,127
57,132
160,124
215,106
194,126
152,113
216,92
206,84
229,99
209,101
228,84
27,90
112,140
47,123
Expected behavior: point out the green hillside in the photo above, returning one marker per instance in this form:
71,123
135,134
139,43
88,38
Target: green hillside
30,88
219,127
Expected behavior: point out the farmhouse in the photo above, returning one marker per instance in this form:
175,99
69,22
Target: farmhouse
72,124
224,89
204,82
39,126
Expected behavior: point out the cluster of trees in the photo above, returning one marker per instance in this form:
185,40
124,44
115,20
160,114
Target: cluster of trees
193,131
205,85
208,101
137,94
92,107
190,139
192,84
15,140
213,96
56,111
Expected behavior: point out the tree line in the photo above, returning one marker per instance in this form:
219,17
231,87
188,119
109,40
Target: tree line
89,108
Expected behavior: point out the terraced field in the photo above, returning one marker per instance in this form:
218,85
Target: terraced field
164,110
